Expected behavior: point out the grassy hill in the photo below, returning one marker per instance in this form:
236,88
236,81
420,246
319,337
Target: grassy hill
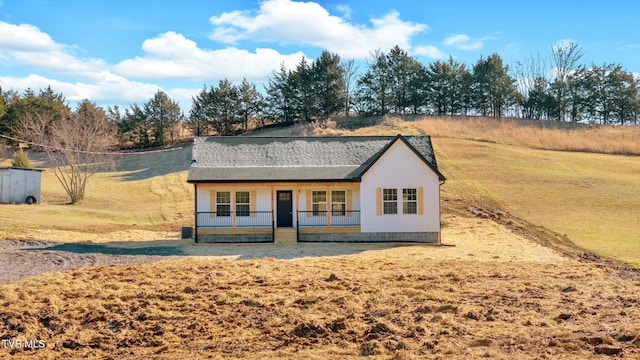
495,294
146,197
590,197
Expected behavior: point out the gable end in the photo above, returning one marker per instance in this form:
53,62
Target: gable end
377,157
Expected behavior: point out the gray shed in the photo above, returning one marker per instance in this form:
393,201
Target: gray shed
19,186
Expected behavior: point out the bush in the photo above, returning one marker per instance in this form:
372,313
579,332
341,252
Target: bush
21,159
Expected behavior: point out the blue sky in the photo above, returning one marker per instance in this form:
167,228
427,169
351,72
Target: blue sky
117,52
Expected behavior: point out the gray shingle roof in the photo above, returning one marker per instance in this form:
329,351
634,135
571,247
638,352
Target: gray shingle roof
345,158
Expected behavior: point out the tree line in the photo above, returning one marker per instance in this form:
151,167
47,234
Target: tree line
74,140
554,88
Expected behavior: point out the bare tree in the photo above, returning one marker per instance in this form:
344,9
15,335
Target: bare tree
75,144
565,57
349,74
531,76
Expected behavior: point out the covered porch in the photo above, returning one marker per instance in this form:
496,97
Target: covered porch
326,226
260,226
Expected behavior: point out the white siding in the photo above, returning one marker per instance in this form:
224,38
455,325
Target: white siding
400,168
206,192
352,202
266,196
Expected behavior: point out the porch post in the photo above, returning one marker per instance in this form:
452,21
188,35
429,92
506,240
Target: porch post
439,215
232,206
328,206
273,227
195,211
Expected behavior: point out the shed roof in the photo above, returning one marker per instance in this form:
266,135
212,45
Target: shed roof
19,168
263,159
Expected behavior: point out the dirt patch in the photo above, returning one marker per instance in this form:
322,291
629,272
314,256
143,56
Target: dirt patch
23,259
489,293
270,308
480,239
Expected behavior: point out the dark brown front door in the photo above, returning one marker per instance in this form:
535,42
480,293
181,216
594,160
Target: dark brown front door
285,208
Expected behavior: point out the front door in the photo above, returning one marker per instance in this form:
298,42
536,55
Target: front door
285,208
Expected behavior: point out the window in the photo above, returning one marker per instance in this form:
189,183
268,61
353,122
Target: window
223,203
409,201
389,201
338,203
319,203
243,205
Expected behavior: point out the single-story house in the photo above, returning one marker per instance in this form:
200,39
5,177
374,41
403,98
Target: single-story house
313,189
20,185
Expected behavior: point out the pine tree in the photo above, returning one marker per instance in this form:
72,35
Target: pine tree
21,159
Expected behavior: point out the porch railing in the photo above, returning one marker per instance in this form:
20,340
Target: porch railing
340,218
230,219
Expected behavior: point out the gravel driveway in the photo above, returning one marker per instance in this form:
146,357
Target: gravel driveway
22,259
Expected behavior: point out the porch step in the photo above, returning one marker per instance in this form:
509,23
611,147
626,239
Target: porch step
285,236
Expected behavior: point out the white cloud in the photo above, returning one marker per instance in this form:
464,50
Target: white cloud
308,23
107,87
429,51
26,45
24,37
168,56
462,42
171,55
629,46
345,10
563,44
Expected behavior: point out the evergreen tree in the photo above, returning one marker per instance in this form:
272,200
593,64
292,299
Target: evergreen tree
493,88
164,113
329,87
225,110
280,96
302,81
441,78
374,87
21,159
198,120
250,102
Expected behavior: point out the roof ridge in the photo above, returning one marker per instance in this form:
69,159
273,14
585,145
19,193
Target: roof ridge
312,137
304,157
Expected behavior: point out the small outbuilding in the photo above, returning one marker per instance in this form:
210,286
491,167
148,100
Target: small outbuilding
309,189
20,186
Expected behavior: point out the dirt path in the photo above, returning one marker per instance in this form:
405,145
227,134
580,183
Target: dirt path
465,239
23,259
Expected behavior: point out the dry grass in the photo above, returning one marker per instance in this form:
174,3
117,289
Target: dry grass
538,135
146,197
592,196
547,135
494,295
404,303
